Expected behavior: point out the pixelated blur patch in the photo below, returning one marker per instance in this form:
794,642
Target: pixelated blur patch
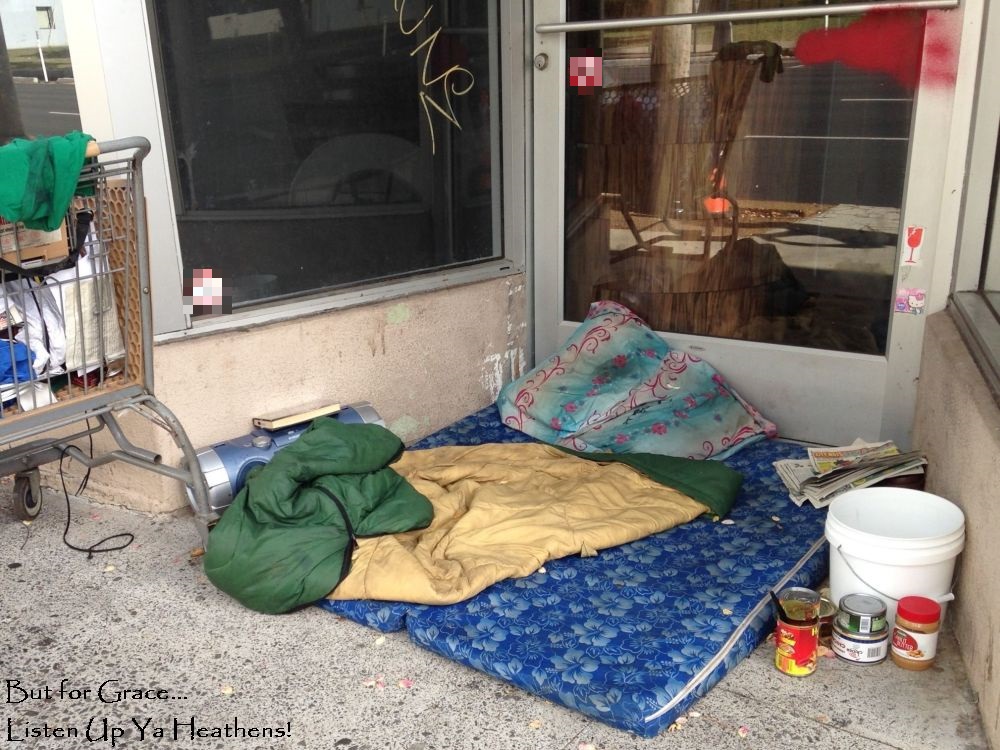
205,293
586,72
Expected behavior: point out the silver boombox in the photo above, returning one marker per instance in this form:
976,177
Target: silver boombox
226,465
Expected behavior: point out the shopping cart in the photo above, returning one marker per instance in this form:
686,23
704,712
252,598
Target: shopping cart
77,328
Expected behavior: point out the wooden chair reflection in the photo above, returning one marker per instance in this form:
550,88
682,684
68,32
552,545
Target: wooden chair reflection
696,121
685,267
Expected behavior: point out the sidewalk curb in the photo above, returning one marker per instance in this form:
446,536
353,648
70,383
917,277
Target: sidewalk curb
25,79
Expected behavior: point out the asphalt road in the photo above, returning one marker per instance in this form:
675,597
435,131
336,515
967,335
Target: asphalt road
48,108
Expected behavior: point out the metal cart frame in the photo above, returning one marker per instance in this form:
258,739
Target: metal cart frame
113,178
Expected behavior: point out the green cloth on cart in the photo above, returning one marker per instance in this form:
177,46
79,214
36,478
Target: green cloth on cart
38,178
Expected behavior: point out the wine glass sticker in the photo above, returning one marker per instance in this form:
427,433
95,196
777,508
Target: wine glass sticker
914,244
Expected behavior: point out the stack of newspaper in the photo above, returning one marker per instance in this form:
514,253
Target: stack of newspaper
830,471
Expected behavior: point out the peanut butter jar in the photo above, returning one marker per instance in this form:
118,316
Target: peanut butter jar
915,635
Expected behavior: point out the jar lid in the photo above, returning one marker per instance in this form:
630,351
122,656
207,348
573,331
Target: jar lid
918,609
800,594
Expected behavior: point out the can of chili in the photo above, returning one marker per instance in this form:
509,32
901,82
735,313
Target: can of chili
796,636
796,647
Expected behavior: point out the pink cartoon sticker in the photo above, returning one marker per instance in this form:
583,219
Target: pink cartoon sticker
911,301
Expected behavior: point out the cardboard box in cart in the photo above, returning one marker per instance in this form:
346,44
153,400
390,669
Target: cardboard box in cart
28,248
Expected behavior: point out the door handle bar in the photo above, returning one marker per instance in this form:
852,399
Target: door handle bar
767,14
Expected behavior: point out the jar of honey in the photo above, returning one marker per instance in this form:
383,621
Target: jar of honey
915,636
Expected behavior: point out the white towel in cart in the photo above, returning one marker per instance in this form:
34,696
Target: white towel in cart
86,299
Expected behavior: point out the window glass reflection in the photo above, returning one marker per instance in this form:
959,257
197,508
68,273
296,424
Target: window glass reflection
320,143
719,185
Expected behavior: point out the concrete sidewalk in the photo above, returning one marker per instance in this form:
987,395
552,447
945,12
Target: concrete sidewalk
146,619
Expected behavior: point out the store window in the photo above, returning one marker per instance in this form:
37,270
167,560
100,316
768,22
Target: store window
740,180
977,311
319,144
975,302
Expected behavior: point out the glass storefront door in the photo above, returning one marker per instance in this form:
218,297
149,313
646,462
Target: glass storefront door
741,186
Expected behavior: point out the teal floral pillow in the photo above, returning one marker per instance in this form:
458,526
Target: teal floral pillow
616,386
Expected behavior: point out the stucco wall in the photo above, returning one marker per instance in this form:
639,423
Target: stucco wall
423,361
958,425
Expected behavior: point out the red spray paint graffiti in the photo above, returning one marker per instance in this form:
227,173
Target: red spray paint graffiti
941,43
888,41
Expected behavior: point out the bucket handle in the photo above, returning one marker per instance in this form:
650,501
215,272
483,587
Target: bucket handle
943,598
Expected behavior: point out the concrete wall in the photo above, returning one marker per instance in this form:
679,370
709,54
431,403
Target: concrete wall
423,361
958,425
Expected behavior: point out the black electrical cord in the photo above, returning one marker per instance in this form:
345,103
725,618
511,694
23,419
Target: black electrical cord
97,546
90,451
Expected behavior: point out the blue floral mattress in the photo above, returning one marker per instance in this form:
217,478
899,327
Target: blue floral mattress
635,635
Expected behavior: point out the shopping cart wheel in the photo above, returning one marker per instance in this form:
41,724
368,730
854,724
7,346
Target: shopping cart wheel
27,498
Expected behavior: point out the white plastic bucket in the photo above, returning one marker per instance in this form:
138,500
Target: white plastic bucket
892,543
